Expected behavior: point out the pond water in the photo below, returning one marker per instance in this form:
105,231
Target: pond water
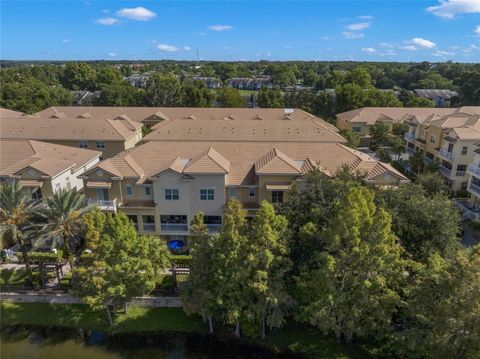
20,342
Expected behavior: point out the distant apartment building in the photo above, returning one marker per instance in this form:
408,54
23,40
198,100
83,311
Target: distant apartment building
44,167
190,164
84,98
361,120
447,140
109,136
248,83
211,82
138,80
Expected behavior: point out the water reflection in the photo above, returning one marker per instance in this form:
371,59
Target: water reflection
20,342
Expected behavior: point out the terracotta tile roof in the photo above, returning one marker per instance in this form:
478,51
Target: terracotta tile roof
370,115
245,130
244,157
140,114
276,162
50,159
210,162
6,113
67,129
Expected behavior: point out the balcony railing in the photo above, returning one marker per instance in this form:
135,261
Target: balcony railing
104,205
174,227
474,170
213,227
447,172
474,189
409,136
410,151
428,160
149,227
460,173
445,154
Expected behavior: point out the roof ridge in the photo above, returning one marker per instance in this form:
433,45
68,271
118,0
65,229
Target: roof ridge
133,165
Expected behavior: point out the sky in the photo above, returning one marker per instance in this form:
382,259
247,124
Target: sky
374,30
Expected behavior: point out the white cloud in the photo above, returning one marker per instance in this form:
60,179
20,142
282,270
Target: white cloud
137,13
352,35
443,53
112,54
167,48
358,26
108,21
426,44
477,30
66,41
448,9
386,44
408,48
186,48
366,17
220,27
369,50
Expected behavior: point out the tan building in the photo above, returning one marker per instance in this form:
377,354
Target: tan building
109,136
473,172
188,165
361,120
150,116
447,140
44,166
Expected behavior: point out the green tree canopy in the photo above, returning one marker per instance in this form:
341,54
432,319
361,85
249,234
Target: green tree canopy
352,288
229,97
163,90
270,98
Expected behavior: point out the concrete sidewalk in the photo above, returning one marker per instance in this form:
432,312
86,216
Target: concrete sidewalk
156,302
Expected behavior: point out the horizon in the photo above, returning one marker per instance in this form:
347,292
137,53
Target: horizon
447,30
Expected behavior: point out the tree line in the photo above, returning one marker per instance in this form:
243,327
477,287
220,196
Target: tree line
379,266
33,88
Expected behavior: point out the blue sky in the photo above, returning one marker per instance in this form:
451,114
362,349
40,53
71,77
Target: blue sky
404,30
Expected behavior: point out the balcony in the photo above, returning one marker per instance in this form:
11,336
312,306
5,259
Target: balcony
445,154
174,227
474,189
409,137
213,228
104,205
149,227
447,172
410,151
428,160
474,170
460,173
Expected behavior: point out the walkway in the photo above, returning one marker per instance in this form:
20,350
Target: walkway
172,302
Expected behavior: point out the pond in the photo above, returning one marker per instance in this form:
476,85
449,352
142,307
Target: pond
21,342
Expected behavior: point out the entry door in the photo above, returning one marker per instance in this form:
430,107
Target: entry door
102,194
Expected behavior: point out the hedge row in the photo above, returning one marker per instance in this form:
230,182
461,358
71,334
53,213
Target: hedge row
45,256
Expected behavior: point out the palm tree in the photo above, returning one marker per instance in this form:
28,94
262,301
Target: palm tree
17,209
61,217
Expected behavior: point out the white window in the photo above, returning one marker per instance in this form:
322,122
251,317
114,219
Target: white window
251,192
277,196
68,186
233,192
433,139
129,190
464,150
57,187
356,129
83,144
148,191
207,194
172,194
100,144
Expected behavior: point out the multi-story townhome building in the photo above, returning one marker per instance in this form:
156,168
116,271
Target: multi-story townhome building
456,153
109,136
473,186
361,120
150,116
428,135
191,165
43,166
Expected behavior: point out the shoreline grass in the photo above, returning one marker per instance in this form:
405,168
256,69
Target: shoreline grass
294,336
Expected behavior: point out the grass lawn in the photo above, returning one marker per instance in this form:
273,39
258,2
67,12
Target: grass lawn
293,336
